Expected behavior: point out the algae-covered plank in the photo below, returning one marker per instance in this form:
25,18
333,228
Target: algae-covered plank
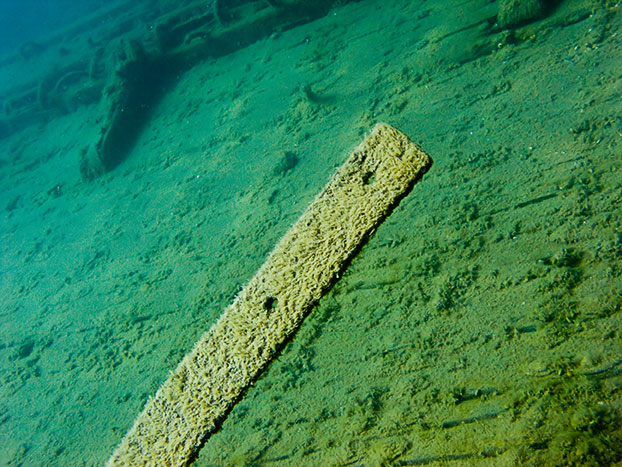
302,267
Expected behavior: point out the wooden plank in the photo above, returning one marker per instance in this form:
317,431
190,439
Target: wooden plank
305,263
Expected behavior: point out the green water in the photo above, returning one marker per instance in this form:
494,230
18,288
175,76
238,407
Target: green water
479,326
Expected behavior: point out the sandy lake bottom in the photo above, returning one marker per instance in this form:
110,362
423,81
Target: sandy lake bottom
479,326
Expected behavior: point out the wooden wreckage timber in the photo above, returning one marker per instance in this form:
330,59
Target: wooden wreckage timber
121,56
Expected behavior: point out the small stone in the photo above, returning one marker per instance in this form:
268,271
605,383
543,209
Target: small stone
516,12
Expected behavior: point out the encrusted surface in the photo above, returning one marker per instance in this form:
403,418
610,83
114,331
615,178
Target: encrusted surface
301,268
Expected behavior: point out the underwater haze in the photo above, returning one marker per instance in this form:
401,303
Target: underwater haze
481,323
23,21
